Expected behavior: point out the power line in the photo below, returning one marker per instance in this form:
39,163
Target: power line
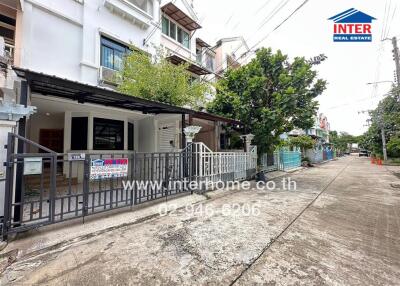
248,53
277,27
391,21
273,13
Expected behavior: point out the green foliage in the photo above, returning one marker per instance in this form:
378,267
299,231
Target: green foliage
386,116
342,140
304,142
270,95
161,81
393,147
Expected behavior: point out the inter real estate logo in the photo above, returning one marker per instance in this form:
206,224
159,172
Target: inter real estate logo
352,26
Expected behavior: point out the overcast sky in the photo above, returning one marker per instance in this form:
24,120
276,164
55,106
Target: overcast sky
308,33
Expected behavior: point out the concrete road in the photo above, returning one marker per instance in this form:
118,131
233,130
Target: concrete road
340,227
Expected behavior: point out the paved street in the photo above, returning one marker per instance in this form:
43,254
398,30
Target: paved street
340,227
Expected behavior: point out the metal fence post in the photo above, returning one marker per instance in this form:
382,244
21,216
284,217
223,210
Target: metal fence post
133,180
53,187
166,174
86,186
8,196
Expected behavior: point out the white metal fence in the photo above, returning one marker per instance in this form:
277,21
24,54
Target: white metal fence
222,166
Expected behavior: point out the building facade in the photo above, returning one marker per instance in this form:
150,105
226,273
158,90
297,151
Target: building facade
85,41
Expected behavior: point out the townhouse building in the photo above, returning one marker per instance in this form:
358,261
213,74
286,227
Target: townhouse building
84,41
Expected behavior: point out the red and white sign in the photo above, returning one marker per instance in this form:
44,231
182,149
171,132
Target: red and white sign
108,168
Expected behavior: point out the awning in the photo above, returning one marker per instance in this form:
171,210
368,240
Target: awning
49,85
180,17
73,90
194,68
213,117
202,43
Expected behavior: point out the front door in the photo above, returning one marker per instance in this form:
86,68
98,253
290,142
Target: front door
52,139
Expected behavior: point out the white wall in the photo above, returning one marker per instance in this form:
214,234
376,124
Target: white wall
147,132
63,37
149,129
42,121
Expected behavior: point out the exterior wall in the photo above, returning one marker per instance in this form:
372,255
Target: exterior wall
147,130
60,118
208,134
233,48
42,121
63,37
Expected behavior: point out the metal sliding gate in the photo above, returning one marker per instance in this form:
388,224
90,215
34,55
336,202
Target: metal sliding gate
44,187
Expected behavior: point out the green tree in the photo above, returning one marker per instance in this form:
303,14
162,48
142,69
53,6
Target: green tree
304,142
386,116
393,147
342,140
160,80
270,95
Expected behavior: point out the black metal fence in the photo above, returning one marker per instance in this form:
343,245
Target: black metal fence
45,187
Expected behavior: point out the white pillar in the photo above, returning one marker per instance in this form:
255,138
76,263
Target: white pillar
6,126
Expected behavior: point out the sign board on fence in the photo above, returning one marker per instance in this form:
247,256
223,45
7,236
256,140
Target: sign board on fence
76,156
33,166
108,168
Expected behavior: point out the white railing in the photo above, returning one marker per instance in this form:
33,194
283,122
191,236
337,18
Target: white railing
222,166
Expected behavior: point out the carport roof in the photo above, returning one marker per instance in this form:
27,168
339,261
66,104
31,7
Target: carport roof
81,92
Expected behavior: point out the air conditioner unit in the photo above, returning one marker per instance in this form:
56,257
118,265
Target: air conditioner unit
109,76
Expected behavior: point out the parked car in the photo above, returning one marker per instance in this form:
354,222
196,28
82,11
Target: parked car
363,153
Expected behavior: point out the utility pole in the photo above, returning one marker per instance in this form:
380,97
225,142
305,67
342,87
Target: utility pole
396,57
383,143
381,126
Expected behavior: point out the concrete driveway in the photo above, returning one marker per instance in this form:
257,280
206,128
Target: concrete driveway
340,227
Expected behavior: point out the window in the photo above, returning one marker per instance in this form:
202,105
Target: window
130,137
108,134
172,30
165,26
144,5
175,32
209,62
79,133
112,53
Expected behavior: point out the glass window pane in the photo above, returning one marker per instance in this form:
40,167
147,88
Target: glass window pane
108,134
186,39
112,53
107,56
165,25
118,58
172,30
180,35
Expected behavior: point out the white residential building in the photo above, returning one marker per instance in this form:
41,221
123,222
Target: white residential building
84,41
230,53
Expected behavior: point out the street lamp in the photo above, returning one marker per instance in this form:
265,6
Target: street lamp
190,132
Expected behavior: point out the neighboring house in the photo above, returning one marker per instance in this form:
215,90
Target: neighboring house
68,51
230,53
320,130
179,23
